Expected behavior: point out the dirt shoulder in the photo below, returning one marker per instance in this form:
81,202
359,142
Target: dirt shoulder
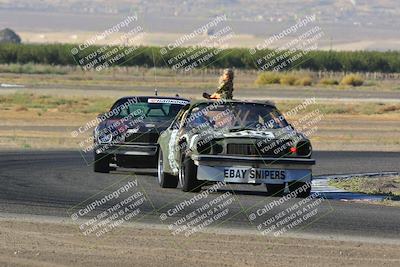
61,244
383,186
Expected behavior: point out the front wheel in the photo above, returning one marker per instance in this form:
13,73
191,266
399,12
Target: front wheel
275,190
165,180
101,163
187,176
302,189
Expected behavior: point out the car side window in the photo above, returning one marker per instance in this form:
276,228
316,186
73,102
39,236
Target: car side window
178,119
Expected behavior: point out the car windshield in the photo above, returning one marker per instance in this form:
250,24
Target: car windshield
236,116
149,109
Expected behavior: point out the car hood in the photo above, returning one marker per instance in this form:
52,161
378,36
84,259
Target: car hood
285,133
137,126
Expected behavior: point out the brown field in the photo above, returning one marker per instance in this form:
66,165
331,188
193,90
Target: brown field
41,242
43,113
31,121
46,76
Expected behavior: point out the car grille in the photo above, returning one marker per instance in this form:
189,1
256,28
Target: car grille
258,150
142,138
242,149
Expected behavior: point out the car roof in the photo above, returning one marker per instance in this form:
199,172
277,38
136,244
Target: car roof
210,101
155,97
201,101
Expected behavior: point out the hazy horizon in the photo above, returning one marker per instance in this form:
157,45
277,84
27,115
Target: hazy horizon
347,24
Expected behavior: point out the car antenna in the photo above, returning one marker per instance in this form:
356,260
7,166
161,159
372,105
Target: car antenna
155,92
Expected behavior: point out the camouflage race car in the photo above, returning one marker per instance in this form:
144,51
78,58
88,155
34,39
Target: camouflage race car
127,134
245,142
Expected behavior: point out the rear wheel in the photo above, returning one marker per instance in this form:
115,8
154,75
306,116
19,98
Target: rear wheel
302,189
187,176
165,180
275,189
101,163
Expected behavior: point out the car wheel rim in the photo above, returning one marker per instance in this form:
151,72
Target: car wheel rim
160,168
181,175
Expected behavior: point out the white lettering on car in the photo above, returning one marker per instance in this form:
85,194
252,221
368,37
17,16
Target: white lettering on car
254,174
171,148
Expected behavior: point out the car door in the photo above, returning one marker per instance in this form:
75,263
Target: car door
169,142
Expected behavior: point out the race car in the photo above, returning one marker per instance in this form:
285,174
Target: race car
232,141
127,135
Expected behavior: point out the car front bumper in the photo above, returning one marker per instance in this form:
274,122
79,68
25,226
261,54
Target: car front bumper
129,149
252,170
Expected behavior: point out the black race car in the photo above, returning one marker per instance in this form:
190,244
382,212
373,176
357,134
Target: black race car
127,134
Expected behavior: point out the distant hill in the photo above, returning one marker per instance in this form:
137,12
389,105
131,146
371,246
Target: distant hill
347,24
358,12
9,36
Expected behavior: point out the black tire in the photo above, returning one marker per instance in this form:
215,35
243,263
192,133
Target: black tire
275,190
165,180
187,176
304,189
101,163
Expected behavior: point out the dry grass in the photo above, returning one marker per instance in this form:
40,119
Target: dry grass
304,81
389,108
43,103
268,77
387,186
95,105
326,81
352,79
132,77
343,108
288,78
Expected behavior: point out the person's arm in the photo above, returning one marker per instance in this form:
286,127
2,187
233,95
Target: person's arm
219,91
221,88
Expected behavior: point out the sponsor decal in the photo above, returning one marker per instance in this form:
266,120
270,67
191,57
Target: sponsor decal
167,101
250,133
254,173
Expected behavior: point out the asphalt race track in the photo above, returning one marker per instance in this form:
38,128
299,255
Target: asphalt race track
53,182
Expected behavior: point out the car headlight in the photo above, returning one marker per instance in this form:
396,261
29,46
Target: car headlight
203,147
103,136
